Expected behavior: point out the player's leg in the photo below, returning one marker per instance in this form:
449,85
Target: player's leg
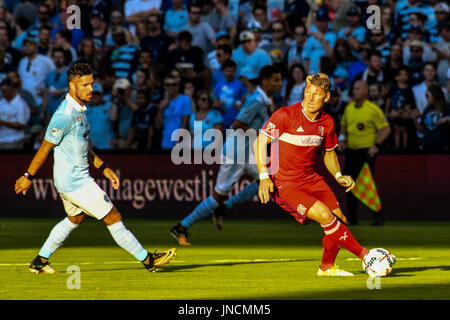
227,176
127,241
57,236
336,235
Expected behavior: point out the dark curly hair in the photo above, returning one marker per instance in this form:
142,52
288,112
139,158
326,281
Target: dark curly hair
78,69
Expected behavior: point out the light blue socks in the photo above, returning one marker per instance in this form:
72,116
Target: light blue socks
125,239
59,233
204,209
244,195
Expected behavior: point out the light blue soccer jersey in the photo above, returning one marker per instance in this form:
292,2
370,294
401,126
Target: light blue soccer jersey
69,130
254,114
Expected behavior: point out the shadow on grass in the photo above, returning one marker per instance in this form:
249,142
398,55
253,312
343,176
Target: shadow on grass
174,268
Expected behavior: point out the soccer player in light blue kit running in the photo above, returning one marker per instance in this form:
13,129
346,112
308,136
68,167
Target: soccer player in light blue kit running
68,135
252,115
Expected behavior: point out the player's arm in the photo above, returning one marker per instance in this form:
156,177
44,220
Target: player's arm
238,124
103,167
24,182
265,184
332,163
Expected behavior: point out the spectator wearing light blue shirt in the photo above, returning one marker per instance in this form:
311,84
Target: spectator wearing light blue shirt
354,33
174,112
249,58
175,18
319,43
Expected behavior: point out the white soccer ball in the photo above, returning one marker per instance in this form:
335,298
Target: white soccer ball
378,262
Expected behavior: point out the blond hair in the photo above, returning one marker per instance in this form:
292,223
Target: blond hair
320,80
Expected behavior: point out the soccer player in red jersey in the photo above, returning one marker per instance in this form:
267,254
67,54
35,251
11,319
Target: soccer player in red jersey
300,130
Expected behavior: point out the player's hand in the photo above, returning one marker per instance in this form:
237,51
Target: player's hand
22,185
347,182
265,188
373,150
112,176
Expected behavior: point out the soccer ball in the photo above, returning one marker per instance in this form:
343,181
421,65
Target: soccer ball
378,262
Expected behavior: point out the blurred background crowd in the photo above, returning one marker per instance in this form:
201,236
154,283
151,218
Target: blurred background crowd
161,65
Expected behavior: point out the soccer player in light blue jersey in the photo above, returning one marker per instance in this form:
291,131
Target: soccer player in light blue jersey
252,115
68,135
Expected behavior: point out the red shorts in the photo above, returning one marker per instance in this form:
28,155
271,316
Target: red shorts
297,198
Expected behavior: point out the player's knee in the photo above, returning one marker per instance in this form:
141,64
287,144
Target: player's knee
78,219
112,217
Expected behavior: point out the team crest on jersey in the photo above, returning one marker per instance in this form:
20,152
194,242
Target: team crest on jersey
270,127
55,132
301,209
321,131
80,118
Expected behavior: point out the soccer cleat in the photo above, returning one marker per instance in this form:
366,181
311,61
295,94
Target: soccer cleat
219,213
38,266
180,234
158,259
334,272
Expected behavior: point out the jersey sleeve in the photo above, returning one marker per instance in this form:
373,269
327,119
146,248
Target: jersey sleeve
275,126
248,111
331,140
58,127
379,119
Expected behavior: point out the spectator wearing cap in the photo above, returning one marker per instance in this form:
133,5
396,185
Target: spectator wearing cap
441,14
12,55
442,49
175,18
14,116
174,112
278,42
354,32
229,93
249,58
125,56
63,39
223,53
295,54
406,8
188,59
98,113
99,29
157,41
255,28
225,19
55,84
415,54
33,69
203,35
222,38
122,109
320,41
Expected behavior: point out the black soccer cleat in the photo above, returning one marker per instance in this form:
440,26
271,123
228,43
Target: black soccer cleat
180,234
219,214
40,265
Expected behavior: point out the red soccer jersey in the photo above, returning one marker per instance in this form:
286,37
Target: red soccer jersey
299,139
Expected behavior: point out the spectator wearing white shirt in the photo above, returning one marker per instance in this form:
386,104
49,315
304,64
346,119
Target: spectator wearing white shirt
33,68
420,90
14,116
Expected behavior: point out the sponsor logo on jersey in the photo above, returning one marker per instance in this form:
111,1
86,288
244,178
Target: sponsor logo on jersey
55,132
301,209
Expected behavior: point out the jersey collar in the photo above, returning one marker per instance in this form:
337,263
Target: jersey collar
75,104
310,120
266,99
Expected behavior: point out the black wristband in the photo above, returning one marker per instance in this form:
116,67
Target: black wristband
28,175
378,145
102,167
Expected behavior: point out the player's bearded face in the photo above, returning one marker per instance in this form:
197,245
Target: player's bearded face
83,87
314,99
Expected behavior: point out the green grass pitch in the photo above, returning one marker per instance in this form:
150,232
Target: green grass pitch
259,259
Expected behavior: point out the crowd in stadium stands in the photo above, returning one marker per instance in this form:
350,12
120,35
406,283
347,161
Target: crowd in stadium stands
161,65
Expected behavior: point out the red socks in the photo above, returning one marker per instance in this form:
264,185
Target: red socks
338,235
